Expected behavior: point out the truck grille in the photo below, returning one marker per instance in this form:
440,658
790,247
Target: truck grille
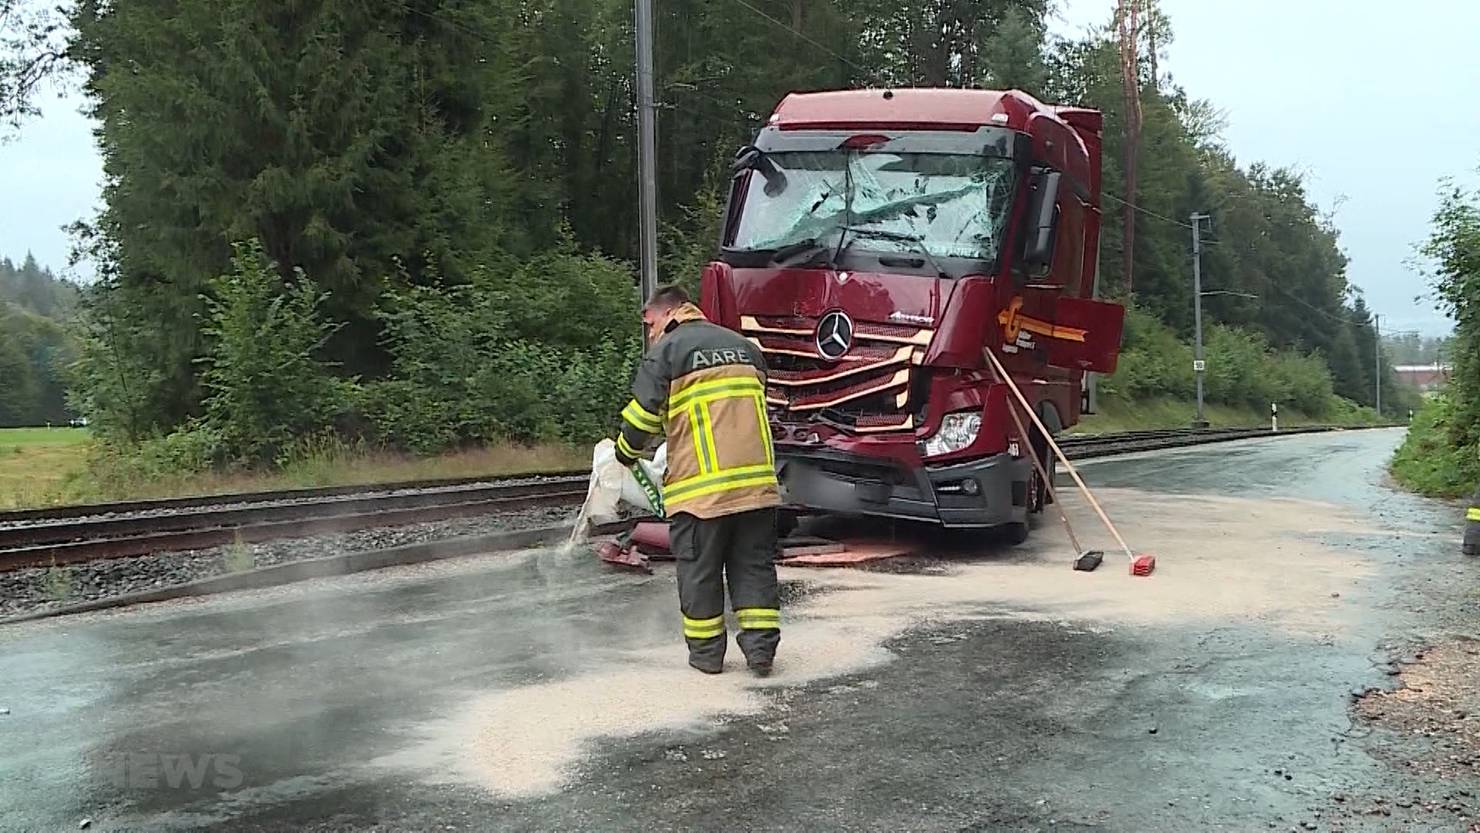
866,390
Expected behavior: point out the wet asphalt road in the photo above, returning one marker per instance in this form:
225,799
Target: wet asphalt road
995,724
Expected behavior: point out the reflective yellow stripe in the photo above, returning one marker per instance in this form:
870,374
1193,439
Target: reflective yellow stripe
706,437
727,485
641,418
703,628
1473,514
682,397
698,433
765,421
626,447
704,484
759,618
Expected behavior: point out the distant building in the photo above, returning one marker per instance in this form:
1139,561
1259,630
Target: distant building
1426,377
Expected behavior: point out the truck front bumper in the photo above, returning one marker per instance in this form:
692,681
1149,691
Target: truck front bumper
826,480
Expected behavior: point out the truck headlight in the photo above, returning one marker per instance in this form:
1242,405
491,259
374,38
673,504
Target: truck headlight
957,431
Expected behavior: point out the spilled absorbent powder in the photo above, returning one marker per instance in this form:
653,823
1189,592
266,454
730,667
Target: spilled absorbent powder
1219,559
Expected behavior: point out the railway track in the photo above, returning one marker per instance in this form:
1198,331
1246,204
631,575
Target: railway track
70,541
1085,447
74,534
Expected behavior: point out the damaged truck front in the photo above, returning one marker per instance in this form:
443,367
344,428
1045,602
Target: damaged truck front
875,243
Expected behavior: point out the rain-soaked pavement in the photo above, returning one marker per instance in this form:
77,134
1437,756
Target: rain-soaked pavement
314,707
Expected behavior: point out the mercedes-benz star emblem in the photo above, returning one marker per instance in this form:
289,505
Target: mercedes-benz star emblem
834,335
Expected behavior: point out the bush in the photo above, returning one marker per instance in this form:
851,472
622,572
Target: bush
1153,362
1427,462
118,468
464,371
1242,370
264,385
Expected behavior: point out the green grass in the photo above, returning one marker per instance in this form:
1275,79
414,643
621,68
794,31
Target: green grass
81,472
1428,464
36,463
1143,415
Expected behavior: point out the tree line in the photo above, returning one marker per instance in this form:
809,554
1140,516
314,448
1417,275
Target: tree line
36,346
1441,454
385,156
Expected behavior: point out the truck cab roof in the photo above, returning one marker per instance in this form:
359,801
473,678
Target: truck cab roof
922,109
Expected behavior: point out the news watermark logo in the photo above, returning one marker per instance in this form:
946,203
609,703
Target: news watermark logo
173,771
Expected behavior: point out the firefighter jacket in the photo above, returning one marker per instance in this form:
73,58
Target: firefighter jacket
704,387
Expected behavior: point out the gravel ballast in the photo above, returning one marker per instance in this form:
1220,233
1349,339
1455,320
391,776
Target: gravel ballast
35,589
229,502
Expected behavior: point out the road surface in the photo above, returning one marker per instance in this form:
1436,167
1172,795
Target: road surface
993,689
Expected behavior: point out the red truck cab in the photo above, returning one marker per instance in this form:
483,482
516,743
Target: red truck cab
875,243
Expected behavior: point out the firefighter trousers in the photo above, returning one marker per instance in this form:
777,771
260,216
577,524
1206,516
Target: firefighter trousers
740,548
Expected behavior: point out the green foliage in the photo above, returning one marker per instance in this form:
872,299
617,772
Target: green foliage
1453,249
1428,462
441,190
264,384
1242,369
1153,361
36,289
239,557
465,369
57,582
35,347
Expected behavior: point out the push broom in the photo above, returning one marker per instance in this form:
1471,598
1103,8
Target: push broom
1140,565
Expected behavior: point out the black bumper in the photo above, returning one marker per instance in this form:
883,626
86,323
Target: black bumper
831,481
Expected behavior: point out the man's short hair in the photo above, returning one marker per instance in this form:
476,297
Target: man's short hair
668,296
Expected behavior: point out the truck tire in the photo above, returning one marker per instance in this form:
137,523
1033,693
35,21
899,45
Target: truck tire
786,523
1037,489
1016,533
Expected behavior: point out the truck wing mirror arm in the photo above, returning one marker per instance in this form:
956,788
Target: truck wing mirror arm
751,157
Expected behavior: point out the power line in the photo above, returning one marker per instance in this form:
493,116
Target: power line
1266,279
872,76
1148,212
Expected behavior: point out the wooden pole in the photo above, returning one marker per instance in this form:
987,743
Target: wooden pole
1058,452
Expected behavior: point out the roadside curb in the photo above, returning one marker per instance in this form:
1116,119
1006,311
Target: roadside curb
327,566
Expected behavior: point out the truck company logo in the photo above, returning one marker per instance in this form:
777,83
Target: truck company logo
910,318
1018,329
834,335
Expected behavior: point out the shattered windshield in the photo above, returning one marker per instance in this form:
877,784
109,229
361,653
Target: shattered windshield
955,205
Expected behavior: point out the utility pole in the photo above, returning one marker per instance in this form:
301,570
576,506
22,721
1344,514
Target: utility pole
647,175
1198,365
1377,361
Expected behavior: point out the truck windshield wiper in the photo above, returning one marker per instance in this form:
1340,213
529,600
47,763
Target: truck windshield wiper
791,250
899,237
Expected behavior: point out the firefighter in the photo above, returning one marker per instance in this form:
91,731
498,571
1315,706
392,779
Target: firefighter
1471,543
704,388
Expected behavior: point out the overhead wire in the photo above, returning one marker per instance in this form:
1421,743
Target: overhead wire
797,33
1266,279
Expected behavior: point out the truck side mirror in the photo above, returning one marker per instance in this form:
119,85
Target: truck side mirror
1042,220
751,157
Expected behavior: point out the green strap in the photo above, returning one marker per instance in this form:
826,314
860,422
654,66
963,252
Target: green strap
654,495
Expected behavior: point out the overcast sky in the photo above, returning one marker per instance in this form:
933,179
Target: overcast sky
1374,103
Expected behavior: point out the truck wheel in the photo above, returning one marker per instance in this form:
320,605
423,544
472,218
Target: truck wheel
1016,533
786,523
1037,489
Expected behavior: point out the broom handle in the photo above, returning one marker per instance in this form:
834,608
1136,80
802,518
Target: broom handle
1047,482
1058,452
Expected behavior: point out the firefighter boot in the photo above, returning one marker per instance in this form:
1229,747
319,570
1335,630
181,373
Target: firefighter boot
751,570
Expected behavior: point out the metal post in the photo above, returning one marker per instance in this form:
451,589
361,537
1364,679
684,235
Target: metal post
1198,364
647,177
1377,361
